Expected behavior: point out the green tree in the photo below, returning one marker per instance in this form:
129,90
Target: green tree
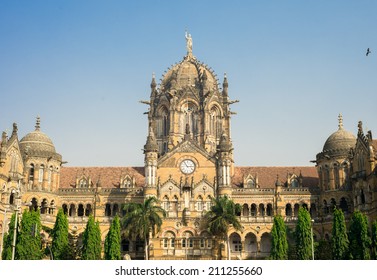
8,240
322,250
60,243
359,237
339,239
29,243
374,239
91,241
112,241
303,235
143,219
221,216
279,242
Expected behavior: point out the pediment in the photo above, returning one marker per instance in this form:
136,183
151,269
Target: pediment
187,146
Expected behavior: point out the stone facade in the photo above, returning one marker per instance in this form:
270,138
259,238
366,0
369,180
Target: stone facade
188,161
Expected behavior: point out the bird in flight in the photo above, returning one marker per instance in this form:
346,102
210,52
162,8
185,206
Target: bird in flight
368,52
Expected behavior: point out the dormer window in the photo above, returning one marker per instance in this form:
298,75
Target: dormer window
82,183
127,183
250,183
294,183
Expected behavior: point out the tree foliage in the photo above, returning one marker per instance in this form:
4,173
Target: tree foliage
143,219
279,242
91,248
303,235
322,250
221,216
8,240
359,237
60,243
29,243
374,240
113,240
339,240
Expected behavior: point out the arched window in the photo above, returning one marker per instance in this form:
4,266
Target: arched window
327,178
108,210
336,176
80,211
253,210
88,210
294,183
165,203
199,205
82,183
65,209
261,210
44,206
41,173
49,175
269,209
250,183
288,210
115,209
343,205
31,173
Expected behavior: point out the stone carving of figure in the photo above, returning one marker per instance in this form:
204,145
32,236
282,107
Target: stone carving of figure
188,43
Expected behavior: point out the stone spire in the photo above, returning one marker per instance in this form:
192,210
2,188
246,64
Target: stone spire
224,145
38,124
153,83
15,130
3,144
151,145
340,119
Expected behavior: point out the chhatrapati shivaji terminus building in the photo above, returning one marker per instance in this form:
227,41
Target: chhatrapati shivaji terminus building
188,161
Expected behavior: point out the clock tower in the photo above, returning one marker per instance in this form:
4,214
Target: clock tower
188,155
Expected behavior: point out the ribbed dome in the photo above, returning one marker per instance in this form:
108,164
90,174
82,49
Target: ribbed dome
37,143
341,139
189,72
339,143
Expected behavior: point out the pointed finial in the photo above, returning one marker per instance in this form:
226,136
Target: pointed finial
15,129
340,119
153,83
38,124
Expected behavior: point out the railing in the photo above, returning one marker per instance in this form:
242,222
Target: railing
257,219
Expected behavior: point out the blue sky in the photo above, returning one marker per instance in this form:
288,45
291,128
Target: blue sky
84,65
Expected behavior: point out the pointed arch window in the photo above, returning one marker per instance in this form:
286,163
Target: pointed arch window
31,173
41,173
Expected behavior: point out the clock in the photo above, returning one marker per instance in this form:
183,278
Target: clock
187,166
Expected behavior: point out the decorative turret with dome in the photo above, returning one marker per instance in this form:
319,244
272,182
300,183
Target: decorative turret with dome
189,93
41,158
333,165
339,143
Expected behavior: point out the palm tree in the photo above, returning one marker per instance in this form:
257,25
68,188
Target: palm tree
221,216
143,219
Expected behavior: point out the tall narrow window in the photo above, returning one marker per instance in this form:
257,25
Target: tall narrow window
41,173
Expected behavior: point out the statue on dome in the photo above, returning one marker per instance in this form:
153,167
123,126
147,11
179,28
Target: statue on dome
188,43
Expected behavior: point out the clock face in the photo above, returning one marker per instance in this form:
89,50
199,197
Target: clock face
187,166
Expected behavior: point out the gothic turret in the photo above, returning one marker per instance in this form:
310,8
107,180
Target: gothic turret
225,164
150,164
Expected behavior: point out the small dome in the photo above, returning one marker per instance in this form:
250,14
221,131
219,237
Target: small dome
341,139
37,143
340,142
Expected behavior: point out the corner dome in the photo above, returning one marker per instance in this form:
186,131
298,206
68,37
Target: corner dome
341,139
339,142
37,143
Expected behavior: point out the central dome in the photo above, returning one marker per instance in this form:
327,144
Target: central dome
188,73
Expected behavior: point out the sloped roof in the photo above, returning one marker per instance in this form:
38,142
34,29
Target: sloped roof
267,175
110,177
